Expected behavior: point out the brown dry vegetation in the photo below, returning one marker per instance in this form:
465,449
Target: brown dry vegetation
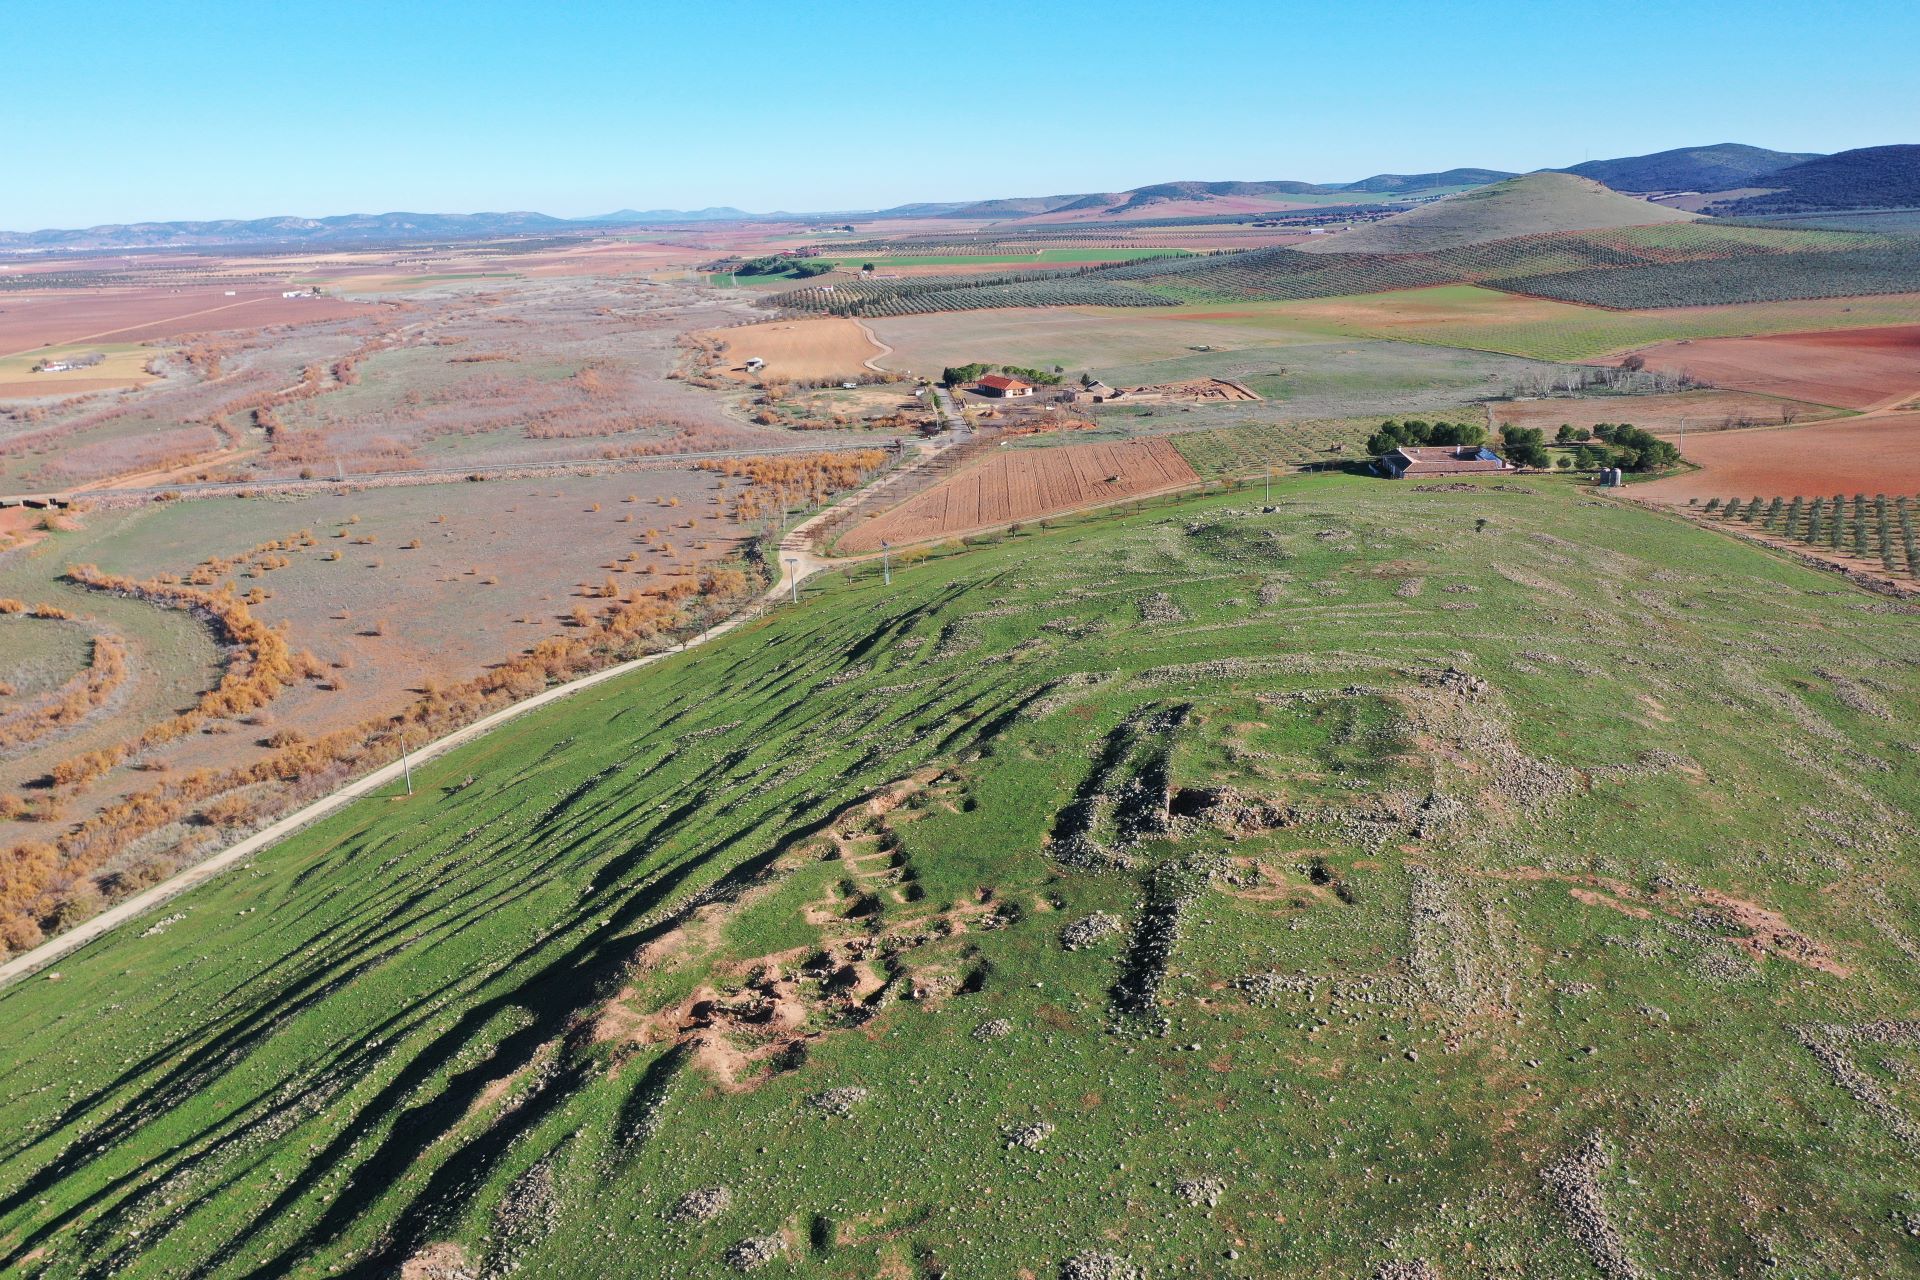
48,883
775,483
74,700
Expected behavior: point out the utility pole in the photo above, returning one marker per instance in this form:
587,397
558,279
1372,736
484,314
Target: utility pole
406,765
886,562
793,575
1269,501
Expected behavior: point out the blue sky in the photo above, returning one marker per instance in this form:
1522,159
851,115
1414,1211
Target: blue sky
124,112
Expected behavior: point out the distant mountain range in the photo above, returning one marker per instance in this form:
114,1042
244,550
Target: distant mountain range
344,228
1721,167
718,213
1109,204
1869,178
1757,180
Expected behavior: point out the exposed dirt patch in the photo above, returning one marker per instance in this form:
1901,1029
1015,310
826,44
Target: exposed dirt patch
752,1014
828,347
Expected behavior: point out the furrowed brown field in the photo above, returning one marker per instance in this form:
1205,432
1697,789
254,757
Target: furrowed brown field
1879,454
1855,369
1023,484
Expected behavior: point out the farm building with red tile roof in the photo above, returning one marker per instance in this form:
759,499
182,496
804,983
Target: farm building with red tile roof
1440,460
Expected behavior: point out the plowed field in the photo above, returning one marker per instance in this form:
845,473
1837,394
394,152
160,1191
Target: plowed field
1022,484
1880,454
1855,369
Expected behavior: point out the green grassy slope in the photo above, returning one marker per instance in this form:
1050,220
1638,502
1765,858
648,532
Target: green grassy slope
1534,869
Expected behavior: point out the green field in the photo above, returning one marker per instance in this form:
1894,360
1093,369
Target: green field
1040,256
1435,826
1250,449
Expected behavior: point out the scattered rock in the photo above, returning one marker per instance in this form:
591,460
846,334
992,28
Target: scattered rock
1575,1183
1084,933
702,1204
1093,1265
840,1101
993,1030
1200,1192
1159,607
1407,1269
755,1252
1029,1137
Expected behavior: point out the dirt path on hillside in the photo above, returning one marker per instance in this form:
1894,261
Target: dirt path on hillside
874,338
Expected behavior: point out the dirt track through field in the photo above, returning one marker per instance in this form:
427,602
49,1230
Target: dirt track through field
1023,484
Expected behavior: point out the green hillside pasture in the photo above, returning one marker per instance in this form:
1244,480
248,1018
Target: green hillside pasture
1512,771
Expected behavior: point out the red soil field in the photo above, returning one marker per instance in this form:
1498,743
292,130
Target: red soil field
1880,454
1851,368
1023,484
32,319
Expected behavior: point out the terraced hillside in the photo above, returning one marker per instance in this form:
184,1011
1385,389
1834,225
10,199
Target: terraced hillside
1407,881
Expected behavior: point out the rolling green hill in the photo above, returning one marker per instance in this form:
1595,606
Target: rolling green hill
1405,881
1533,204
